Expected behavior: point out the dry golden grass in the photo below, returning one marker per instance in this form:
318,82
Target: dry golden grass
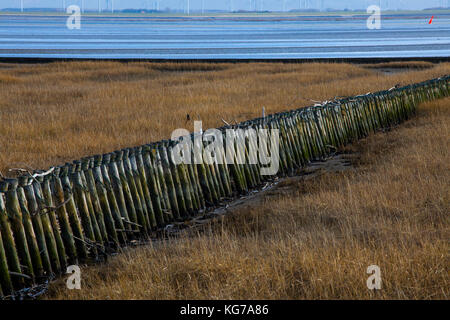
313,239
58,112
401,65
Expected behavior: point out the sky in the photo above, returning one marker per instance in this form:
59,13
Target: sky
272,5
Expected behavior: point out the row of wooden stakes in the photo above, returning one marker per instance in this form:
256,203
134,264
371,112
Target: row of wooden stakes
89,208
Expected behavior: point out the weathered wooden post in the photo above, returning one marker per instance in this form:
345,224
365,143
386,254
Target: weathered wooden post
198,186
15,220
234,158
8,240
303,148
48,198
295,144
219,169
169,179
185,186
158,153
168,215
72,213
132,200
115,211
283,156
87,165
83,210
112,237
136,190
194,178
307,137
144,218
118,192
223,167
90,206
6,286
286,145
47,226
29,230
151,220
63,218
206,186
152,184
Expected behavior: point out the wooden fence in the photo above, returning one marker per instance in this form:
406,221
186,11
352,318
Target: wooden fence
82,210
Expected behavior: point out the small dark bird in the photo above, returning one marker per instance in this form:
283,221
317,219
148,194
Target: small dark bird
188,117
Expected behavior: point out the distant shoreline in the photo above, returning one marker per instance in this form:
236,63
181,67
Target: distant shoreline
228,15
214,61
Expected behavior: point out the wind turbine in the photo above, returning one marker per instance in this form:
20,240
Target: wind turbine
21,5
99,8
